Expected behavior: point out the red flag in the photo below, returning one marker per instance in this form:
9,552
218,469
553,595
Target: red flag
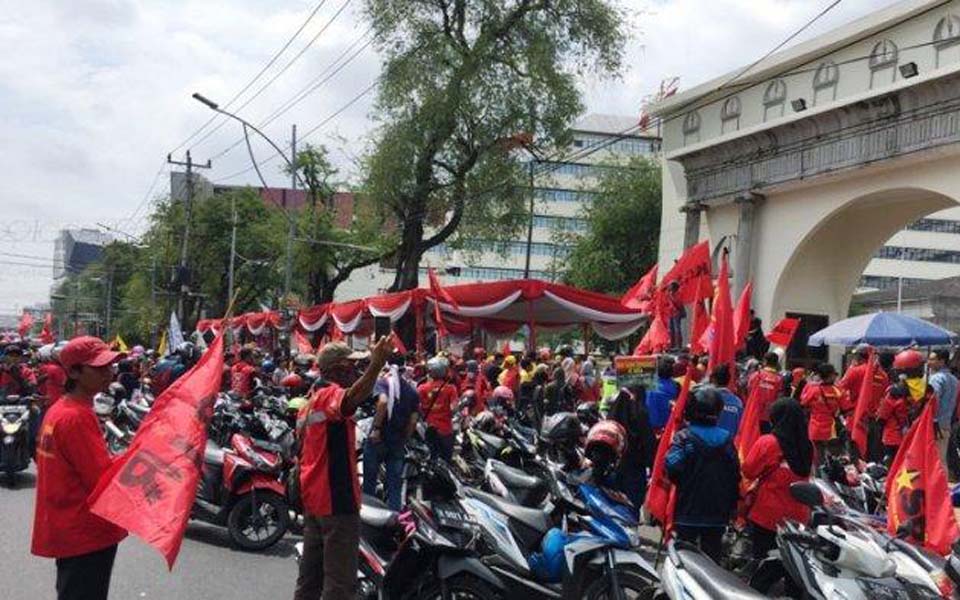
506,350
721,348
701,320
640,296
660,493
26,322
749,431
783,332
438,292
150,490
657,337
918,497
303,343
741,317
398,344
858,426
46,334
438,319
692,274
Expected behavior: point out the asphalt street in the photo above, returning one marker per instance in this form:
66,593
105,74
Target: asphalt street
207,568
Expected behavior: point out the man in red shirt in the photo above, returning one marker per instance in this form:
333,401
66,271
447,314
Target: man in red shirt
766,386
329,486
437,400
16,378
51,384
242,374
71,456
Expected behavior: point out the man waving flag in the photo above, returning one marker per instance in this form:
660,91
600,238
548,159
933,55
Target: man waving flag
150,490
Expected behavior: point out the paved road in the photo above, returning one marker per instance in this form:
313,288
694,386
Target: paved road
207,568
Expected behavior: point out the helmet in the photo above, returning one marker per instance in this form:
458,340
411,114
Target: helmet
588,412
502,394
485,422
186,350
295,404
45,353
704,405
544,355
908,360
138,349
267,366
124,365
561,428
103,404
292,381
304,361
606,442
437,367
117,390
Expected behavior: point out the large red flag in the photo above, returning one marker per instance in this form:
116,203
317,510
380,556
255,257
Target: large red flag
783,332
701,320
741,317
858,426
46,334
692,274
749,431
26,322
640,296
656,339
722,348
660,493
438,292
150,490
303,343
918,498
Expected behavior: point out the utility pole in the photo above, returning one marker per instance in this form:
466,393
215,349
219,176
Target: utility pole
292,227
184,245
153,299
526,264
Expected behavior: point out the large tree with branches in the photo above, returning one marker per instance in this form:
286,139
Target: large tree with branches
463,83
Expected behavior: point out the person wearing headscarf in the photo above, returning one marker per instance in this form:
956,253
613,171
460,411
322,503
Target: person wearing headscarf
556,395
510,375
474,380
778,459
629,409
590,391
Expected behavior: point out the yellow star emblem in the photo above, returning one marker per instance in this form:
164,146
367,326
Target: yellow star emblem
906,478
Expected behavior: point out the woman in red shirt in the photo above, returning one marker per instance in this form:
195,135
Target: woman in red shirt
824,401
437,401
775,461
894,414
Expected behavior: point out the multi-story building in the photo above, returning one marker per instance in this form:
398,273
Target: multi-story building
74,249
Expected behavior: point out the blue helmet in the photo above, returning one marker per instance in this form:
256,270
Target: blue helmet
267,366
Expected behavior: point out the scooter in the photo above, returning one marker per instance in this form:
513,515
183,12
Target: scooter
15,415
689,574
242,488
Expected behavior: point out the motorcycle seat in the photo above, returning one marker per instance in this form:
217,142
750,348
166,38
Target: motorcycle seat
531,517
515,478
376,514
716,581
212,453
495,442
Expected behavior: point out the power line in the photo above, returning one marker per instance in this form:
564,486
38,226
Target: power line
277,74
259,74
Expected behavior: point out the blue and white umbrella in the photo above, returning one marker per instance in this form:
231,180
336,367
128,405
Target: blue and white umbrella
882,329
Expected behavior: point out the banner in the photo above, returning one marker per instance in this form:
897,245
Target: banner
176,334
640,296
692,274
150,490
635,370
783,332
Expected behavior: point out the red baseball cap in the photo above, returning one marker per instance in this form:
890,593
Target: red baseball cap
88,350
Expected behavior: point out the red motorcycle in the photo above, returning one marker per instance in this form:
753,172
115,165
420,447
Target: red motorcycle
242,489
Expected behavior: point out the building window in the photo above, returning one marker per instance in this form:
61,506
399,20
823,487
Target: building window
691,127
935,226
946,35
886,282
883,63
919,254
825,82
561,195
560,223
730,114
774,99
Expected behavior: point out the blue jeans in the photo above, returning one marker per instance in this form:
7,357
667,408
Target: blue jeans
391,456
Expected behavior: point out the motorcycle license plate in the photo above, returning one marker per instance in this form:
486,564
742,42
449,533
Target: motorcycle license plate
13,408
449,515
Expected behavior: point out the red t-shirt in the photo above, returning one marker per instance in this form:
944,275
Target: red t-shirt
824,402
71,456
894,413
53,379
241,378
328,465
774,503
765,386
437,399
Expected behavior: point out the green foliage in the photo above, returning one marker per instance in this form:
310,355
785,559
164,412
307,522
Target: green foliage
459,80
623,233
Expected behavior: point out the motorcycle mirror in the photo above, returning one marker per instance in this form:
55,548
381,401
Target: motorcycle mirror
806,493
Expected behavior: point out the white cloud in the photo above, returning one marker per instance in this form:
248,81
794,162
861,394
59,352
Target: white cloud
96,92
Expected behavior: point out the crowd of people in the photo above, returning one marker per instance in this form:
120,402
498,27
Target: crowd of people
803,417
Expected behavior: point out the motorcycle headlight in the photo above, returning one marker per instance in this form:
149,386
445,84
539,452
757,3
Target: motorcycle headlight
11,428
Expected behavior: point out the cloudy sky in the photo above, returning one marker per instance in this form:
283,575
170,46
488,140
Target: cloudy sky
95,93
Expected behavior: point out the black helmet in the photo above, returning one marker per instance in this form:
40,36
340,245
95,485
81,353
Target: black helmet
704,405
117,390
561,428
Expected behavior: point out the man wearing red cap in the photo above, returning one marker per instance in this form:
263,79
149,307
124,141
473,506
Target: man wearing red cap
71,455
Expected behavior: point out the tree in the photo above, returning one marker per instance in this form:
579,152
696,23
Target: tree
623,231
460,80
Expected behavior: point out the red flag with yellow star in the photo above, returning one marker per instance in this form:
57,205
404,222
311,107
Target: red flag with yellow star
918,498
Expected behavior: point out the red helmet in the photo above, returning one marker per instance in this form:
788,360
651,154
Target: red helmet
503,394
292,381
609,435
908,360
544,354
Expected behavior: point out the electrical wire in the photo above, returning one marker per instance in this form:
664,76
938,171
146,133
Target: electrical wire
259,74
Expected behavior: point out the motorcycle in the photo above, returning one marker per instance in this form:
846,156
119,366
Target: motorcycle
15,415
242,489
117,438
689,574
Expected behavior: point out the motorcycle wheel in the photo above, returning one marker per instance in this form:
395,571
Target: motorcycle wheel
633,586
461,587
247,523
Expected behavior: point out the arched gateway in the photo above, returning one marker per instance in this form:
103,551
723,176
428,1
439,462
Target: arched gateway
835,148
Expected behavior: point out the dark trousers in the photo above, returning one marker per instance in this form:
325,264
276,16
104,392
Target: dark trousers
391,456
328,568
441,446
86,577
766,576
708,539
